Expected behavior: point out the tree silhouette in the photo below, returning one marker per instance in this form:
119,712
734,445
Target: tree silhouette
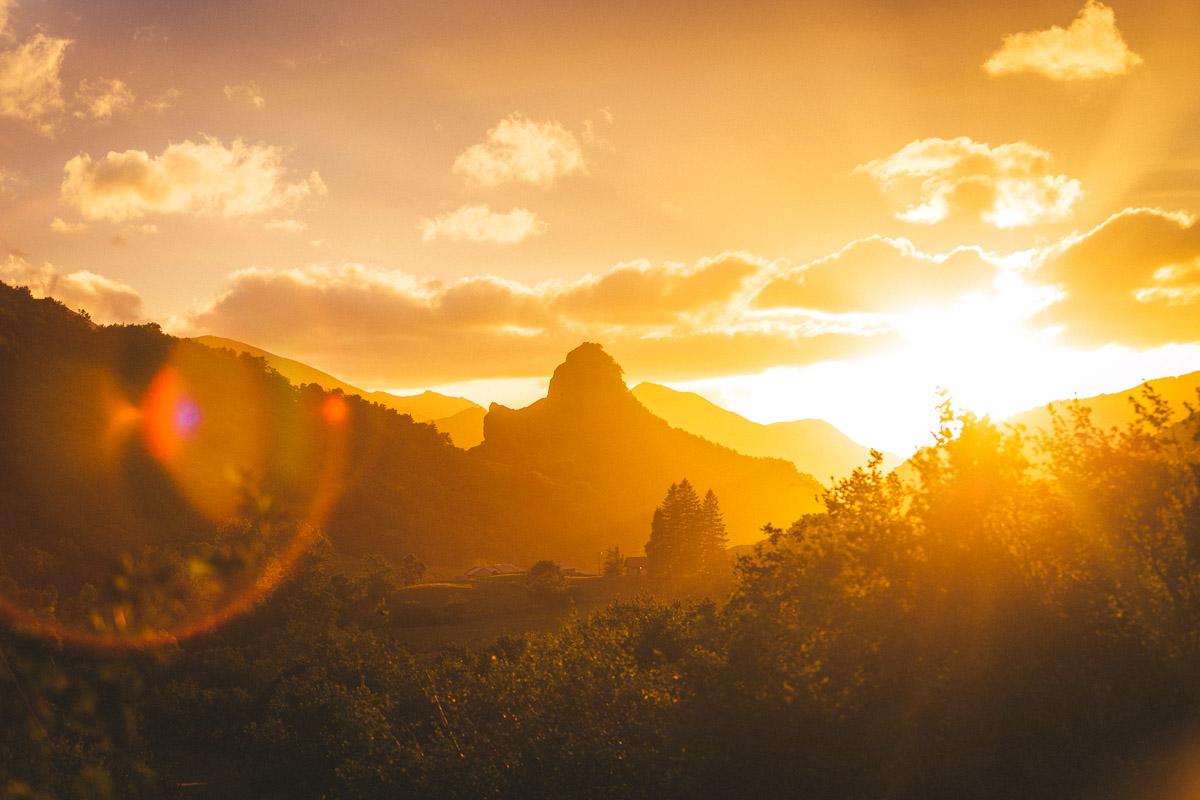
713,537
686,535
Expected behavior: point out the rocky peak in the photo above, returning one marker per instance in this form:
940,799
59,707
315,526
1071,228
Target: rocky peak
587,375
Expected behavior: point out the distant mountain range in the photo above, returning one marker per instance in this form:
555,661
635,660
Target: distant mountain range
118,438
1116,409
813,445
591,434
457,416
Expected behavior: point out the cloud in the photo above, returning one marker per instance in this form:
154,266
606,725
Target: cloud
521,150
203,177
1008,186
249,93
30,86
386,328
479,223
150,35
1091,47
9,181
285,225
1133,280
878,275
643,293
163,102
60,225
101,98
106,300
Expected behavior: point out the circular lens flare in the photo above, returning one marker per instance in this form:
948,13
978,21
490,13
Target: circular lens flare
224,446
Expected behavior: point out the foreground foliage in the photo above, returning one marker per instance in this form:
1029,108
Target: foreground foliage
1006,616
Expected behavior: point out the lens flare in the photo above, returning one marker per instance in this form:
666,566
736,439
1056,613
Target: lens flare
334,409
207,442
169,415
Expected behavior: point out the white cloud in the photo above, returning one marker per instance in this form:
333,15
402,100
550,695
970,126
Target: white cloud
1091,47
521,150
101,98
480,224
106,300
204,177
1008,186
249,93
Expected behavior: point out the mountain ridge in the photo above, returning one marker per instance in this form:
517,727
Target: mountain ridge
591,432
813,445
428,406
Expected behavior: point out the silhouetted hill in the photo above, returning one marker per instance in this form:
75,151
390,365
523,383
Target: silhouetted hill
465,428
121,437
592,434
424,407
813,445
121,440
1109,410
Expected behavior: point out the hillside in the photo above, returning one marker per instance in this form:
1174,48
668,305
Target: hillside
1116,409
813,445
465,428
592,434
424,407
121,438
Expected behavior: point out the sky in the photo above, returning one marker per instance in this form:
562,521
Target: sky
797,210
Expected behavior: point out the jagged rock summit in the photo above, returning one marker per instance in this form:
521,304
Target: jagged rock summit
586,375
591,434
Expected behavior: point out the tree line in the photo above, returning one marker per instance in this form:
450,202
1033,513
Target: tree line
1011,615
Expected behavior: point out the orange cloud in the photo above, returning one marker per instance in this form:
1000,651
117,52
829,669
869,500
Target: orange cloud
1134,279
248,93
521,150
205,178
106,300
478,223
1007,186
101,98
880,275
643,293
387,328
30,86
1091,47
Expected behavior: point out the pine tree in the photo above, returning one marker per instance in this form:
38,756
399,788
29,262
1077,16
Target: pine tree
612,563
714,537
687,519
675,546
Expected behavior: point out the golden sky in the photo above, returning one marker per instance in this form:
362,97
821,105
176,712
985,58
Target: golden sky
805,209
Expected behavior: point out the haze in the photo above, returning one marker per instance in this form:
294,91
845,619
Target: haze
813,211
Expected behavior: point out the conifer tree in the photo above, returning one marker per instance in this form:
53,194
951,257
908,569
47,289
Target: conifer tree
675,547
714,537
688,532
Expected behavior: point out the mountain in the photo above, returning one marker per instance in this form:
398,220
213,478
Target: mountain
424,407
593,435
121,442
465,428
813,445
1116,409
